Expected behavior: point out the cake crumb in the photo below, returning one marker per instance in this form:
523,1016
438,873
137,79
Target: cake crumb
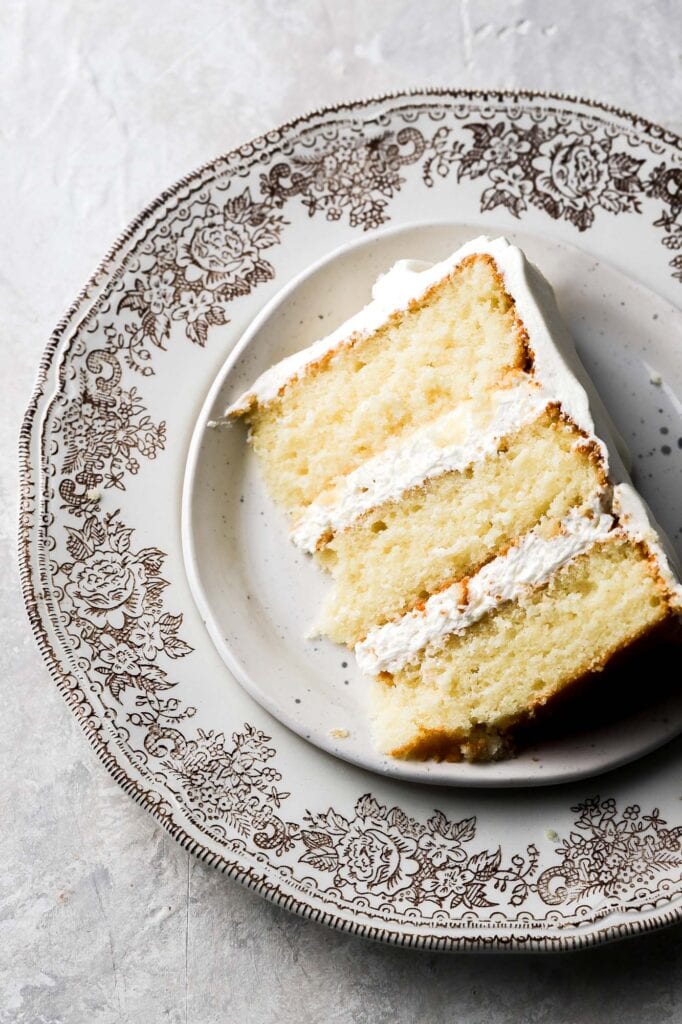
551,835
212,424
339,734
656,379
93,494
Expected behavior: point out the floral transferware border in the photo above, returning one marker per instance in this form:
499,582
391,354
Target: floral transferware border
108,594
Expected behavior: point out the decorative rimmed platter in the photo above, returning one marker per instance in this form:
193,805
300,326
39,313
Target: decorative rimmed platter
103,454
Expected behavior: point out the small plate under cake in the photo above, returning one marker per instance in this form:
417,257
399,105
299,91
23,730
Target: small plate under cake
447,460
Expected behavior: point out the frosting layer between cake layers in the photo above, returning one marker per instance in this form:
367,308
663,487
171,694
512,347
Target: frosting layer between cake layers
421,457
529,563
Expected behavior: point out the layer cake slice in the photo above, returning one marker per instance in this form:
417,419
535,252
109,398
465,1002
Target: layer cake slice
445,458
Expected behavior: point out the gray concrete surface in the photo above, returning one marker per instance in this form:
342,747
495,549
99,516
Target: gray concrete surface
103,918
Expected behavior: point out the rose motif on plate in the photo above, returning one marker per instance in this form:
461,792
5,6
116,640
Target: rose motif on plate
222,250
376,860
107,589
214,256
574,167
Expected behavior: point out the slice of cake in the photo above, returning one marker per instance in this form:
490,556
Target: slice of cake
392,368
445,458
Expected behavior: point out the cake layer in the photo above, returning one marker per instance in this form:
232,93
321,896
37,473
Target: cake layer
459,697
455,342
403,550
461,437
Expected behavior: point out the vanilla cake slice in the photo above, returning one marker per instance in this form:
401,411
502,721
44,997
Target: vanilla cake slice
444,456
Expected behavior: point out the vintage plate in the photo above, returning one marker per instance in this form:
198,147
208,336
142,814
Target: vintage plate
103,453
258,595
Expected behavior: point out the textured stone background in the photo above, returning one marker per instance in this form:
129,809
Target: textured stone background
102,917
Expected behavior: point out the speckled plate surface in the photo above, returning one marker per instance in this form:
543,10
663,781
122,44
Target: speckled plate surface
104,449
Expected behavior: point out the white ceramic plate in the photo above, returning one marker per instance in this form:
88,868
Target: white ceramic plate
258,595
104,449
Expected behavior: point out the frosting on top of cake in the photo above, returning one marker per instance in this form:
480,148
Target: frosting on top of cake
408,281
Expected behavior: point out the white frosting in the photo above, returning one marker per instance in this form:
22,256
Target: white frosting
422,456
409,280
531,562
